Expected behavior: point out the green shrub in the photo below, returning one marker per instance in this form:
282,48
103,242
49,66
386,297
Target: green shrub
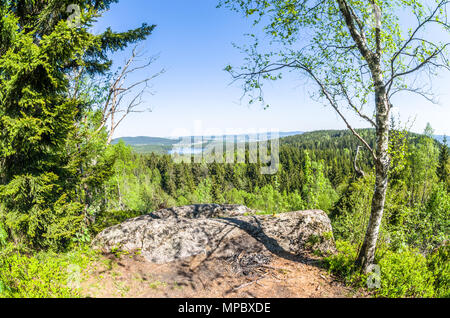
439,265
44,275
351,213
343,262
3,235
405,274
37,213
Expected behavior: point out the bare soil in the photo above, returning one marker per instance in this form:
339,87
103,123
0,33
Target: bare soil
200,277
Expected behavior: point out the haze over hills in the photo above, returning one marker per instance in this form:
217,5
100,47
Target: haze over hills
161,145
143,144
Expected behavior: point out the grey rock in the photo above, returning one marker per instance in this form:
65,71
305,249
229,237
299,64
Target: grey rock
222,231
204,211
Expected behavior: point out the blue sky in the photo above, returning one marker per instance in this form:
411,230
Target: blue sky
194,40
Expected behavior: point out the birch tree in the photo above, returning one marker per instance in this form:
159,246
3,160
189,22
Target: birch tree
357,55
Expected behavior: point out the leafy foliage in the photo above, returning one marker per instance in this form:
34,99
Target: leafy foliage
439,264
44,275
50,157
405,273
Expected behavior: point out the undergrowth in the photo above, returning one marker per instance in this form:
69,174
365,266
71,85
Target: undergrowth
43,275
402,274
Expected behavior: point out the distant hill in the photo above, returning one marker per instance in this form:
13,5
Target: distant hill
322,139
341,139
139,141
143,144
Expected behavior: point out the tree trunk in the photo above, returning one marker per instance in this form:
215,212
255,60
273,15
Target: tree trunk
367,253
111,130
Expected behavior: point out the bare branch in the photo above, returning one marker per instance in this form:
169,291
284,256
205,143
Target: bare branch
334,104
296,64
412,38
359,172
419,66
352,105
418,91
118,99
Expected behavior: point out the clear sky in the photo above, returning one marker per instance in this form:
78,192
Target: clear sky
194,40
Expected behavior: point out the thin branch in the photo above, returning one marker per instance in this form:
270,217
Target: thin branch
296,64
344,90
336,108
119,90
417,67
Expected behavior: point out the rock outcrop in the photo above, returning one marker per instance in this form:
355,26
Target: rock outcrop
220,231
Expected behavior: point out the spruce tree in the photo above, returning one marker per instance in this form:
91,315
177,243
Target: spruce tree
39,46
442,170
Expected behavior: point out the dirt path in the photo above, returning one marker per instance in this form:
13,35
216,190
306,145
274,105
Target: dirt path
198,277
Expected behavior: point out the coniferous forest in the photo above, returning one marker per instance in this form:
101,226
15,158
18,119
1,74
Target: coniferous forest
63,180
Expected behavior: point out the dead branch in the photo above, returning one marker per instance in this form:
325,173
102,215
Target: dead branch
359,172
124,98
250,283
